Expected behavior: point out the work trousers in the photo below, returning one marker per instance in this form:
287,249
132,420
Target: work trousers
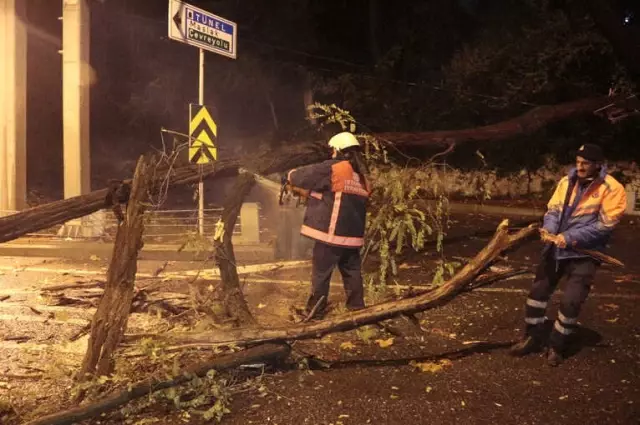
579,273
325,258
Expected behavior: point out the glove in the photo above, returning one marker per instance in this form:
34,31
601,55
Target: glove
558,240
545,236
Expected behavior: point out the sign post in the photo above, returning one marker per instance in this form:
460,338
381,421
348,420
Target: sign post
201,182
206,31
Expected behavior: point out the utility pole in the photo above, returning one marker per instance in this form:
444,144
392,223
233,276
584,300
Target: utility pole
76,79
13,106
76,75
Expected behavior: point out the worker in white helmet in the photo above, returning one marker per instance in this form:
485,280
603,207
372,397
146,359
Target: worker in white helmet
335,219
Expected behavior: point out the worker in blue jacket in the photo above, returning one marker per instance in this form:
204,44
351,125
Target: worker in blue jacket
582,213
335,218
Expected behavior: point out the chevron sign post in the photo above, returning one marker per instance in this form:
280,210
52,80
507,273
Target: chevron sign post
202,29
203,132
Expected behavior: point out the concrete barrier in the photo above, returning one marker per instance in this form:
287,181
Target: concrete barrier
249,224
289,243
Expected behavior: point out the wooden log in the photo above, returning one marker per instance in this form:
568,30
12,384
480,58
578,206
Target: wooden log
482,280
58,212
500,242
79,285
267,353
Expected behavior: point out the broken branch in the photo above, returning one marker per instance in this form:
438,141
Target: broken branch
268,353
380,312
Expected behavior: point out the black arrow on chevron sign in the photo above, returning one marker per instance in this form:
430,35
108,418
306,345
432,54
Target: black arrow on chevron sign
204,127
203,151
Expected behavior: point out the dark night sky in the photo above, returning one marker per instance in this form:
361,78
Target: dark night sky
341,45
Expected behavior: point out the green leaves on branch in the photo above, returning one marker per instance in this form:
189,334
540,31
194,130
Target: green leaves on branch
395,221
332,114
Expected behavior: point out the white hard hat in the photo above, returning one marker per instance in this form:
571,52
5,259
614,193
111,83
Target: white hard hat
343,140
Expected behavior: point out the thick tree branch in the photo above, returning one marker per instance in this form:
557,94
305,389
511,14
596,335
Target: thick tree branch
267,353
51,214
460,282
526,123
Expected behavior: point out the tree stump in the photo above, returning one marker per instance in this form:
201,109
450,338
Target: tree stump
110,320
229,293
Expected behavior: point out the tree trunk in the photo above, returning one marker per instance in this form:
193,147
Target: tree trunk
58,212
235,303
526,123
226,303
461,282
110,319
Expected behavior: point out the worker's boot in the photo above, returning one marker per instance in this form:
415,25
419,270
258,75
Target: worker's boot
528,345
554,357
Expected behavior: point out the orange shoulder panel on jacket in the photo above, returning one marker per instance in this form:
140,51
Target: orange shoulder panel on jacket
340,173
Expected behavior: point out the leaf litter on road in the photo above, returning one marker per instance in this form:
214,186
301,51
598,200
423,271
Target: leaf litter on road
384,343
432,367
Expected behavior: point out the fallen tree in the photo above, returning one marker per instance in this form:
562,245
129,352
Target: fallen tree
47,215
527,123
461,282
267,352
58,212
287,157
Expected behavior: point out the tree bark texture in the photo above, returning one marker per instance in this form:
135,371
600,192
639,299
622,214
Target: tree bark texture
226,304
110,319
235,303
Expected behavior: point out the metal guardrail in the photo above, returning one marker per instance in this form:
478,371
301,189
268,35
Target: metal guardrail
161,226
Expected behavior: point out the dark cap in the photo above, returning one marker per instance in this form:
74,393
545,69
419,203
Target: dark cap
590,152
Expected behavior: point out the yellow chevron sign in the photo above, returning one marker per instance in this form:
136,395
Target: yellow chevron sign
203,132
